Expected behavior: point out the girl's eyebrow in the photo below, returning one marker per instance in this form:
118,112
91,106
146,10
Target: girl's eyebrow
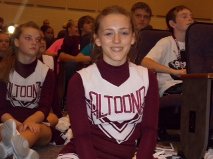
27,35
31,35
119,28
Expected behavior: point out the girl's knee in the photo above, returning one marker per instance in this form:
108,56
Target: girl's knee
52,119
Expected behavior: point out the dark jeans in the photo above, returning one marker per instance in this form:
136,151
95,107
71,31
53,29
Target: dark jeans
169,116
175,89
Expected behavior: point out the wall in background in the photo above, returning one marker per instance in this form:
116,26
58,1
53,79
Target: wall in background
59,11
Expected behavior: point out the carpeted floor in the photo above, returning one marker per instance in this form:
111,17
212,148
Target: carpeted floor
48,152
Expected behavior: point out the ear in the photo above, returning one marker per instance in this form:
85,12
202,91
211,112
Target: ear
97,40
133,39
172,23
16,42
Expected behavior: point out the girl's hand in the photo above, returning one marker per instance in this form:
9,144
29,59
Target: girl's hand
32,126
19,126
179,72
134,157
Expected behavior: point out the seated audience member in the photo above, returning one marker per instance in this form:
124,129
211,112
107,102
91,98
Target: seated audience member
55,47
70,51
67,50
85,29
71,43
65,61
2,27
109,128
4,44
141,15
45,24
62,33
48,35
49,61
82,57
167,56
26,116
46,59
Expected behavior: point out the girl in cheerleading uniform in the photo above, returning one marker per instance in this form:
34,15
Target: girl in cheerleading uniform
26,95
113,104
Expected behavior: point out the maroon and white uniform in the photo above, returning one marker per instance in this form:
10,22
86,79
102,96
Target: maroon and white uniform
111,108
30,89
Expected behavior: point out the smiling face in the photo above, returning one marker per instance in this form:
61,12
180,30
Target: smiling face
28,44
115,36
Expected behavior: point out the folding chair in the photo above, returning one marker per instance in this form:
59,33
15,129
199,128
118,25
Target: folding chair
146,39
197,91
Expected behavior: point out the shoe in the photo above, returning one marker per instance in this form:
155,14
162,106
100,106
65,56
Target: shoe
7,132
21,149
68,156
5,151
63,124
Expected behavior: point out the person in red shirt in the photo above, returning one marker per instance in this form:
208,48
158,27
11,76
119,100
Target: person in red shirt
112,104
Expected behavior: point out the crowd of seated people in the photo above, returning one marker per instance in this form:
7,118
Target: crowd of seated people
69,52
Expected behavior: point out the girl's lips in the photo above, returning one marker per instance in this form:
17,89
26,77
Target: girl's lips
116,49
33,48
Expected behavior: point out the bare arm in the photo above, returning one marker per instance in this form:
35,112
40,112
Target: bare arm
151,64
8,116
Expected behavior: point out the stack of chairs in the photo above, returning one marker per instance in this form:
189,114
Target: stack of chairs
197,108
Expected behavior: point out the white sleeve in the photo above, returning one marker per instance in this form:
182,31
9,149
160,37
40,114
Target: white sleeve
160,51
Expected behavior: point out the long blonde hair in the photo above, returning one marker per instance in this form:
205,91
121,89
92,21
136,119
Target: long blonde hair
8,63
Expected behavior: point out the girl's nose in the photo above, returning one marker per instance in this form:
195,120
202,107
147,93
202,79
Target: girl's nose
116,38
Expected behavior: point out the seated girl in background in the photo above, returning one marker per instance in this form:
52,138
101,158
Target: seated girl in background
26,94
113,104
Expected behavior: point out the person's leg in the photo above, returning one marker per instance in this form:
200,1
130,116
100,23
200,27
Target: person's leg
52,119
58,137
21,143
13,142
43,137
